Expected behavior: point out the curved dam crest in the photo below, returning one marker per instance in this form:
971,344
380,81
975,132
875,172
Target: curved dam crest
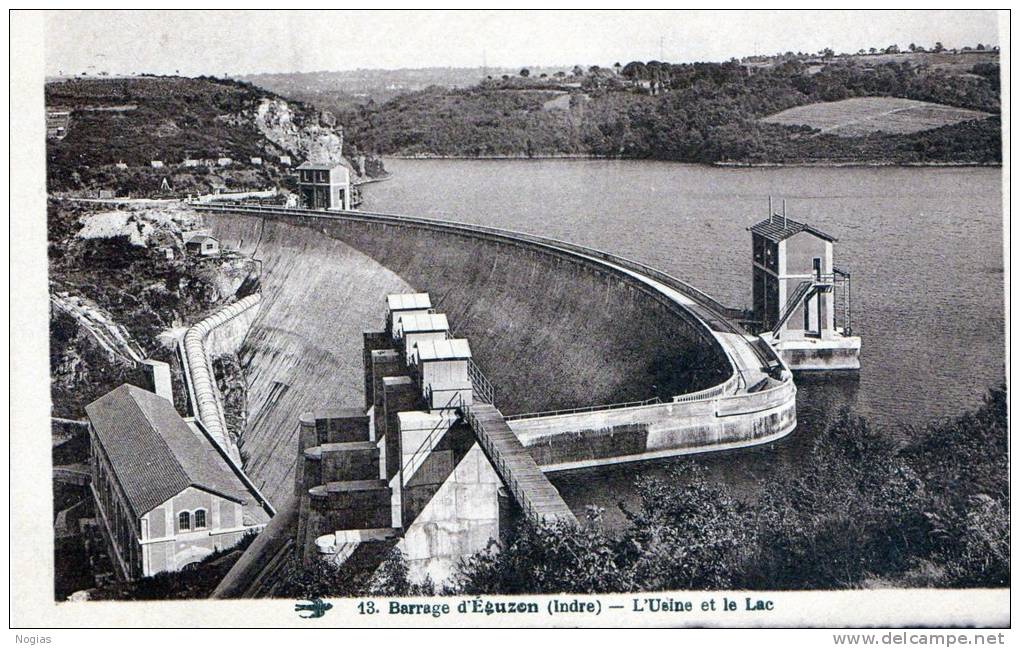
549,330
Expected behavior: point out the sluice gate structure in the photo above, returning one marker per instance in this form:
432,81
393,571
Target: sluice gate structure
430,470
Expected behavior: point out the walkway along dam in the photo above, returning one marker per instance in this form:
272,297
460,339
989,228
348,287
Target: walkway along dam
595,359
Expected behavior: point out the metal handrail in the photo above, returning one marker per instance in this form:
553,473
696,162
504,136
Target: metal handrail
496,458
702,395
815,277
426,444
580,410
847,287
798,295
480,384
758,394
707,394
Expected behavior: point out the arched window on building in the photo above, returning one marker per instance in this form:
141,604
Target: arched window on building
184,521
200,519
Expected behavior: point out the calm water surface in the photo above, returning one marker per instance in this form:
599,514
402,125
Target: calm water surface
924,247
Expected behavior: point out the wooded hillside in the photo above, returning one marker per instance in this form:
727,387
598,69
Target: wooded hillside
702,112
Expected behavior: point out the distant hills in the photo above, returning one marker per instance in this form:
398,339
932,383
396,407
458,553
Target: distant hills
143,135
339,89
700,112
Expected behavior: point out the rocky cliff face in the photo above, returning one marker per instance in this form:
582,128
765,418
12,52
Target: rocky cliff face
313,136
173,136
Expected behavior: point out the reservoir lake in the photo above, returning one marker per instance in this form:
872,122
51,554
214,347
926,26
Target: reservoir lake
924,246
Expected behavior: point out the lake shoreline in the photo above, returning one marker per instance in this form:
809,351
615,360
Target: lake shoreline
551,156
841,165
722,165
373,179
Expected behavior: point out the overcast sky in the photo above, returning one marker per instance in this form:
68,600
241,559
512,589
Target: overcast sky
246,42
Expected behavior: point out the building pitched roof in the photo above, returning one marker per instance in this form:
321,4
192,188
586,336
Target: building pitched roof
408,301
155,454
456,349
779,228
200,238
423,322
319,166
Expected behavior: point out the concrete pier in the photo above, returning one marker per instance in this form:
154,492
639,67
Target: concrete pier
825,353
338,480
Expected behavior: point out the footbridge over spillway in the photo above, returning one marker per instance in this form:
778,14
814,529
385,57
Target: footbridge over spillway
531,489
446,389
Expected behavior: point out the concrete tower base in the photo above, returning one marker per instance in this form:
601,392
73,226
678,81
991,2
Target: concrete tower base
835,353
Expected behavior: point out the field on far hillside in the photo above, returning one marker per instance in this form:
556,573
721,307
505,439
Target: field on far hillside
865,115
950,62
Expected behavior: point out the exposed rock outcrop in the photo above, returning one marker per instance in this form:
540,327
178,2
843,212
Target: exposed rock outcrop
312,136
204,135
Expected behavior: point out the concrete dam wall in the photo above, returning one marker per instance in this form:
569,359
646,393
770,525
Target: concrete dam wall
550,330
303,352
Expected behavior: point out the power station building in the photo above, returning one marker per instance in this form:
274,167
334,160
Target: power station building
165,496
324,186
